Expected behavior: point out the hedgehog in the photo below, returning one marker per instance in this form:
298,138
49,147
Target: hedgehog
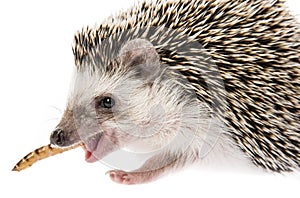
180,81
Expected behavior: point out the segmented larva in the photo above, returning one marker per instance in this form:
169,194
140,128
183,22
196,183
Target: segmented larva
39,154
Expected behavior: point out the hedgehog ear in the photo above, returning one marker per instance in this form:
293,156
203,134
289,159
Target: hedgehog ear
141,54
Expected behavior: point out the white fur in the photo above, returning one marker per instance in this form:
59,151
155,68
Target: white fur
151,120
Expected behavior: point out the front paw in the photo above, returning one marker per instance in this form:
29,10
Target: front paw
122,177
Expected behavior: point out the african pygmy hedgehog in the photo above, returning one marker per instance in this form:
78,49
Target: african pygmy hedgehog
185,79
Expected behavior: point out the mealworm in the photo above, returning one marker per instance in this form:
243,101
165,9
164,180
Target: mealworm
39,154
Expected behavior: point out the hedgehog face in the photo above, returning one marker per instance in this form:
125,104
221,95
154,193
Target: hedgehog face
136,107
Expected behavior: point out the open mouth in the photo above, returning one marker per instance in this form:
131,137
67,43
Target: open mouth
98,146
90,146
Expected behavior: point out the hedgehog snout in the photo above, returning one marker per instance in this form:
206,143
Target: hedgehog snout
57,137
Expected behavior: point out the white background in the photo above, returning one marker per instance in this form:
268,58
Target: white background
36,66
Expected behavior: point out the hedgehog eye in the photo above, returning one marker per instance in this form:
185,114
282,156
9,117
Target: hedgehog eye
106,102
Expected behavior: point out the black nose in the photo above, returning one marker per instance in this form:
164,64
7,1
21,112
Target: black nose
57,137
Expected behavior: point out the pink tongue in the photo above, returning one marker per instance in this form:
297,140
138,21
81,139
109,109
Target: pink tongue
103,147
88,154
89,157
